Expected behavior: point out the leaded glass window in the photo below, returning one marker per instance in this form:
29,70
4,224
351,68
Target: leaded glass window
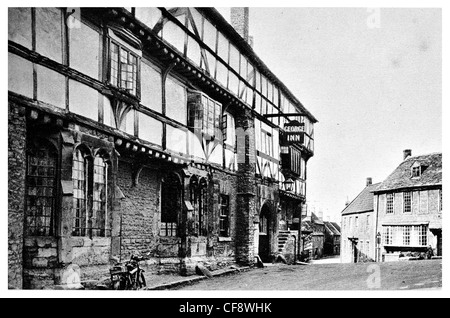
99,204
80,179
123,70
41,190
199,201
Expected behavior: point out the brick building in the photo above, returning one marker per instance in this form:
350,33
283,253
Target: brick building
153,130
409,207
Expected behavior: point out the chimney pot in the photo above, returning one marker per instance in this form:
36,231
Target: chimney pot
407,153
368,181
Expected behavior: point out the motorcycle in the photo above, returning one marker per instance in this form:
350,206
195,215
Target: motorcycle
128,275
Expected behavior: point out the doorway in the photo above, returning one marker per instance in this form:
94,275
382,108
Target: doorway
265,229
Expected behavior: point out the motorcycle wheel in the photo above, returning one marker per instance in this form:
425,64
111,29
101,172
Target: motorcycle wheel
141,280
115,285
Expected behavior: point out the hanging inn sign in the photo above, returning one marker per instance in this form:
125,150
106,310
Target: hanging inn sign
294,132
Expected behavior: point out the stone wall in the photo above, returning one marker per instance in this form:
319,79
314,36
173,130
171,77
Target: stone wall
16,190
247,214
140,213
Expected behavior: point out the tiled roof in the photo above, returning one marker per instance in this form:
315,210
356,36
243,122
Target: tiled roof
401,177
336,226
363,202
331,229
312,224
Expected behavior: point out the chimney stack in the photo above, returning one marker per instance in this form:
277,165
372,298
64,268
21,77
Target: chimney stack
239,21
406,153
368,181
320,215
347,202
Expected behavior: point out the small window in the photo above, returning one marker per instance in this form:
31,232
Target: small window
415,172
406,202
440,200
224,215
417,169
356,222
389,203
367,221
266,143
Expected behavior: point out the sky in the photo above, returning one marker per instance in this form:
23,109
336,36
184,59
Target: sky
372,78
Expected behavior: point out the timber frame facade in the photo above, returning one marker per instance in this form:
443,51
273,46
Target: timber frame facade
142,130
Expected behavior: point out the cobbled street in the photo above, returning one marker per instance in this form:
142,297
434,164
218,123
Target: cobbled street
402,275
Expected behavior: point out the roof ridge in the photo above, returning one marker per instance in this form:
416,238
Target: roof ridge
423,155
360,193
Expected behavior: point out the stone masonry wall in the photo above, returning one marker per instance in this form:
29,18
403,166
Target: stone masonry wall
139,209
16,190
246,191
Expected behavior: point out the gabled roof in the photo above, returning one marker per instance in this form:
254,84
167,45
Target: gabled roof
336,226
331,229
401,178
363,201
312,224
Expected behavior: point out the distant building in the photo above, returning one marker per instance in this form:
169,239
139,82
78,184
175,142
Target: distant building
359,227
332,243
409,207
401,216
313,237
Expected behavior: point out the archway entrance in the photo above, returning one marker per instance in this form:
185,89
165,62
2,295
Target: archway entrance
265,233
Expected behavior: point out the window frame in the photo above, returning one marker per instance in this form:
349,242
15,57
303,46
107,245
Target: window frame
224,216
199,198
86,166
39,144
416,171
390,203
92,227
407,202
130,52
170,188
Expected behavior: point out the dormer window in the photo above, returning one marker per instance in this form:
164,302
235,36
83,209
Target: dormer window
417,170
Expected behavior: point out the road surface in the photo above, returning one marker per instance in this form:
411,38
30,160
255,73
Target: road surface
331,276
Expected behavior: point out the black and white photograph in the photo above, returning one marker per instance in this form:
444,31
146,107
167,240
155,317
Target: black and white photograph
220,149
